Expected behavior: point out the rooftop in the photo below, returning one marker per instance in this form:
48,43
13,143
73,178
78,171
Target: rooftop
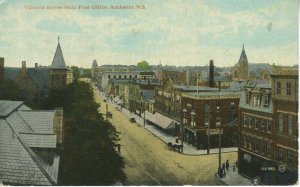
21,131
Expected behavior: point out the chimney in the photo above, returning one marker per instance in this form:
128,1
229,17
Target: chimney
1,69
58,125
211,74
23,64
36,65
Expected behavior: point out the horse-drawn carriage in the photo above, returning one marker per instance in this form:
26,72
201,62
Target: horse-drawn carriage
175,147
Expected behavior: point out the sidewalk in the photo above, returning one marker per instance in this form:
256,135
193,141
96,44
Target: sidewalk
187,149
233,178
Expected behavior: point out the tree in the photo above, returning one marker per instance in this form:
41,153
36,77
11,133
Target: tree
143,65
76,72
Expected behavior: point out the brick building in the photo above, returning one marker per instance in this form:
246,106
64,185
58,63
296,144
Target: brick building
205,113
285,100
256,131
168,100
178,77
268,133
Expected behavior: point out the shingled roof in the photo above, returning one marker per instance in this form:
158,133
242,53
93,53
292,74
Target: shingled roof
23,136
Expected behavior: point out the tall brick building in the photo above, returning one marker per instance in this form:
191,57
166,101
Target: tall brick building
268,129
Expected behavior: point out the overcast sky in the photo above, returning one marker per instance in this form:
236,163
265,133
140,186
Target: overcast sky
173,32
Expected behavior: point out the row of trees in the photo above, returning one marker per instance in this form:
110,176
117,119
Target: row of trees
89,156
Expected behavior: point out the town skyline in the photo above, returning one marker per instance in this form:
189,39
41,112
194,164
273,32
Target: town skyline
172,34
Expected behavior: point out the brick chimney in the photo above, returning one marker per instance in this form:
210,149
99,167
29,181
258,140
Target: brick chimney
58,125
1,69
211,74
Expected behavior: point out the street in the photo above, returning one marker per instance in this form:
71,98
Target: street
149,161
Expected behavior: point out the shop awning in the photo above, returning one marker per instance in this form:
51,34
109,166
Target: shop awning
162,121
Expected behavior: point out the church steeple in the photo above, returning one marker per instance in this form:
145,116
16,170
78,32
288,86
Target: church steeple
58,60
58,69
243,58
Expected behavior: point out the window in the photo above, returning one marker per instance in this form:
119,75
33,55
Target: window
266,101
125,76
288,88
263,147
278,88
269,126
218,106
245,120
290,126
269,148
120,76
108,76
248,98
263,125
206,121
250,121
232,106
256,146
250,142
257,123
115,76
130,76
280,122
280,154
244,140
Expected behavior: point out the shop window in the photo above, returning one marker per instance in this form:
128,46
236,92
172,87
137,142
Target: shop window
289,157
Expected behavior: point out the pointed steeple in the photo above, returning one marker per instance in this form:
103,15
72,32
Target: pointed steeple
58,60
243,58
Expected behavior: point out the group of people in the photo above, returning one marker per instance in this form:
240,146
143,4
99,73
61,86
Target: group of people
225,167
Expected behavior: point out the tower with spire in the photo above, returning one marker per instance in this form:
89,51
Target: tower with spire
58,70
240,72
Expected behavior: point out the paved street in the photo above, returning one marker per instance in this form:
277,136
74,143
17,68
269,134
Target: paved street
148,161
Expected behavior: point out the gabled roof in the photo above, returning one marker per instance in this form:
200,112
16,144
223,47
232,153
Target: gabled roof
40,76
243,58
7,107
58,60
39,121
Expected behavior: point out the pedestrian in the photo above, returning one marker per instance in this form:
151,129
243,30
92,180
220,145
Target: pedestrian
223,166
227,165
233,167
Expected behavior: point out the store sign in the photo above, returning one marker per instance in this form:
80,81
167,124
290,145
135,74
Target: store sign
214,131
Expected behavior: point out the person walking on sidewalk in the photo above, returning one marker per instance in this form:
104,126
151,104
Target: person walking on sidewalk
227,165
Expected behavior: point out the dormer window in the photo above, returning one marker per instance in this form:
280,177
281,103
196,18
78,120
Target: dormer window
266,101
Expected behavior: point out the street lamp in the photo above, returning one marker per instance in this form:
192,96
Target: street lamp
184,111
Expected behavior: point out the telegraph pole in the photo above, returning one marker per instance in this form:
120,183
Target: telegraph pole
106,110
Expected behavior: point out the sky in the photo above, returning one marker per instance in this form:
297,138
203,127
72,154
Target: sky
170,32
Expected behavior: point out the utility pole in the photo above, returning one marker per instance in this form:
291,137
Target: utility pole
106,110
208,134
219,169
144,114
